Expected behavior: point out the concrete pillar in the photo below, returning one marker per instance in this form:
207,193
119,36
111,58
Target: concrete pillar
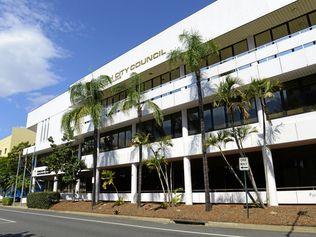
33,184
55,187
134,183
187,181
77,187
271,190
185,131
97,185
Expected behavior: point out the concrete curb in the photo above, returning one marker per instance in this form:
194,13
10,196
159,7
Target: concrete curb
283,228
280,228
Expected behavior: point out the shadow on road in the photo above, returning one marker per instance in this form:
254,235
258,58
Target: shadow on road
299,214
22,234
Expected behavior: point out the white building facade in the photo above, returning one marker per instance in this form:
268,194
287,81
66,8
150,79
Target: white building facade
257,39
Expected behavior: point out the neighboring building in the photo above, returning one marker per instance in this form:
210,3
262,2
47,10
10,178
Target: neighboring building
17,136
257,39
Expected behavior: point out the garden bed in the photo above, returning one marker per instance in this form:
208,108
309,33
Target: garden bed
300,215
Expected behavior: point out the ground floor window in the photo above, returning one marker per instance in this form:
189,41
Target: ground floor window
220,177
295,167
122,180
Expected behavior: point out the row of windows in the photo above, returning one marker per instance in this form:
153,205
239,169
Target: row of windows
285,29
147,85
171,126
297,96
116,139
217,118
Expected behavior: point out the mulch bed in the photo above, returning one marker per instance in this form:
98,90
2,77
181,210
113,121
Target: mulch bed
301,215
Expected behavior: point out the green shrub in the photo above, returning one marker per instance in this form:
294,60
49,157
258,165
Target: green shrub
7,201
43,200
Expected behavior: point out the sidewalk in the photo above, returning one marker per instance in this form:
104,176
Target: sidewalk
279,228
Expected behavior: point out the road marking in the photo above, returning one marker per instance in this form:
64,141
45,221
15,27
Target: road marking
123,224
5,221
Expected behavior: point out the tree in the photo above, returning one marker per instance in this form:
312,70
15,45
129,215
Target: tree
135,100
159,163
63,158
264,89
219,140
86,99
192,55
230,93
8,168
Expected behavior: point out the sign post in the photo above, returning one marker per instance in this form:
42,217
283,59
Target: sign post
244,166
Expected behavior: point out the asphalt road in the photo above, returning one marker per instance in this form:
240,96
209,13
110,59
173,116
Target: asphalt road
27,223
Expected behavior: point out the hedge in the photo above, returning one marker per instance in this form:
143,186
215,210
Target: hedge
7,201
42,200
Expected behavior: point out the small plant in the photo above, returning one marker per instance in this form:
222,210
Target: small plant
116,212
176,197
7,201
119,202
164,205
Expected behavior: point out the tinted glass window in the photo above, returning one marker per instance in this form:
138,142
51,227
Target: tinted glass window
226,53
240,47
312,18
279,32
115,141
212,59
122,139
219,118
208,118
156,81
165,77
167,127
298,24
274,104
177,125
174,74
263,38
193,121
253,115
147,85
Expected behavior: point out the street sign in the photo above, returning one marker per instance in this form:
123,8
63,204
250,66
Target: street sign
243,164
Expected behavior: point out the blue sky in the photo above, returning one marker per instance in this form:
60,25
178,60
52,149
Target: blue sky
47,45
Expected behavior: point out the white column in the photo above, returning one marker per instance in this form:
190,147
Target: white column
55,187
187,181
97,185
186,160
271,190
33,184
251,42
133,183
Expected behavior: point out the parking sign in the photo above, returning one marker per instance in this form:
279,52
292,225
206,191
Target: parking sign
243,164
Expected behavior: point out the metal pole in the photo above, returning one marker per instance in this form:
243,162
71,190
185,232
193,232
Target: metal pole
246,191
16,178
22,189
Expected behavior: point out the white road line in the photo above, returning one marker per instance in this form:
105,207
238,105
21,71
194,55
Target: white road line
6,221
123,224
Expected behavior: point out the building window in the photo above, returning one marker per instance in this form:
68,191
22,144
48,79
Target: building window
219,117
193,121
116,139
175,74
312,18
87,146
240,47
297,96
298,24
226,53
165,78
280,31
263,38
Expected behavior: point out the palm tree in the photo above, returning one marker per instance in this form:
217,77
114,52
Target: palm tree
219,140
230,94
264,89
135,99
86,99
192,55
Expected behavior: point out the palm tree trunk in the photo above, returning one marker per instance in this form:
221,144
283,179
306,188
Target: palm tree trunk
202,124
95,158
242,154
140,165
231,169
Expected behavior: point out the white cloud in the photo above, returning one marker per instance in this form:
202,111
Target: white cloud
36,99
26,51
